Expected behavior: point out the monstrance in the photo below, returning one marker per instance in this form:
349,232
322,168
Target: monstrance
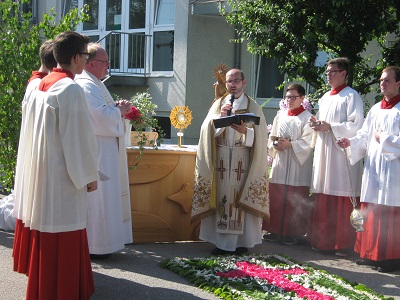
180,117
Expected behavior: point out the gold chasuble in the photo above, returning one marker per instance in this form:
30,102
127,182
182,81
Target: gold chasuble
231,178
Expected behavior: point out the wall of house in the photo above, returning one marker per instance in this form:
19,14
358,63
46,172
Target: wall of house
209,44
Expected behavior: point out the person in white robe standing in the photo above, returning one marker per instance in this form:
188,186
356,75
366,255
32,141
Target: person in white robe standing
109,225
231,176
340,114
60,168
48,62
289,145
379,141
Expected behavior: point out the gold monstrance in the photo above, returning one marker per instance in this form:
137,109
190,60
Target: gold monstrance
180,117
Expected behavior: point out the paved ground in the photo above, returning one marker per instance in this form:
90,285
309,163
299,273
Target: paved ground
135,274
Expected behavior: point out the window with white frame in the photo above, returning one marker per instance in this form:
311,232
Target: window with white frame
163,35
29,7
154,19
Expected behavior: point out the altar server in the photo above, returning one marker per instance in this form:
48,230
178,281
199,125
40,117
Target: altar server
289,145
340,115
379,141
60,168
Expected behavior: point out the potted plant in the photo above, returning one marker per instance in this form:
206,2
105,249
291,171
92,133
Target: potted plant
146,131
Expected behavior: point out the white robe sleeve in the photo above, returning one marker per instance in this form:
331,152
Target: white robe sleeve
77,137
301,147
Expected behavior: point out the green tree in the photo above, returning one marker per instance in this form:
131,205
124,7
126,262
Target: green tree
19,43
293,31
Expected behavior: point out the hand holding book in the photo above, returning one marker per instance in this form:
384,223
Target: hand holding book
249,118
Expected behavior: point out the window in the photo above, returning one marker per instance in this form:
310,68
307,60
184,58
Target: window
93,22
165,125
113,15
139,33
67,5
137,14
165,12
29,7
163,35
268,79
163,51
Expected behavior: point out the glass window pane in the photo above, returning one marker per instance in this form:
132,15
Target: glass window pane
136,51
137,14
113,46
163,51
93,22
94,38
26,7
67,5
165,12
270,77
113,15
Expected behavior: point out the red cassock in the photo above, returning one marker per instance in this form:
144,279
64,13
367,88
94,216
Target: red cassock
289,210
380,239
330,219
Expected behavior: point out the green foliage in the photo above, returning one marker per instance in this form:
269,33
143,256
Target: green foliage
293,31
146,122
144,103
203,272
20,42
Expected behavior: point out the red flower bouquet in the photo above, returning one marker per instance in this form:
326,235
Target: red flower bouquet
133,115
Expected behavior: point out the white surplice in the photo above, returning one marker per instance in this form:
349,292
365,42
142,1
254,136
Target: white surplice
344,112
19,171
380,181
251,229
109,213
292,166
58,163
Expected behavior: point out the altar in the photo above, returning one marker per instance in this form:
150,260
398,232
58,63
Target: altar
161,190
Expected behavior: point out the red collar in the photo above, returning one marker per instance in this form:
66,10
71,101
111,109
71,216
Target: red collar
391,103
37,74
296,111
68,73
336,90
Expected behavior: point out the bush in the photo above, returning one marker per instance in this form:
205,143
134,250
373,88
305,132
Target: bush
20,42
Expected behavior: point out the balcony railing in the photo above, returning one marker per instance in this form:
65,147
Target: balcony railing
127,52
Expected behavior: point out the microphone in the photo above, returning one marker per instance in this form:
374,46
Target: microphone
229,112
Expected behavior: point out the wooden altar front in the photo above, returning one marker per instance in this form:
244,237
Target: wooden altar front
161,190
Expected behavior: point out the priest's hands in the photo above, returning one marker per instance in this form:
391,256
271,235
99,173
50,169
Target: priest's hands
124,106
224,109
91,186
240,128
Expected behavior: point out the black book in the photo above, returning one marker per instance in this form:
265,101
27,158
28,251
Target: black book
235,119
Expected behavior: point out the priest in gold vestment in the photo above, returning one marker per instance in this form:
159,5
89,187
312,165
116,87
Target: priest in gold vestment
231,177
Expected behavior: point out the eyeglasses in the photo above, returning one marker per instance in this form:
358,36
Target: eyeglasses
235,81
332,71
84,53
292,98
103,61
